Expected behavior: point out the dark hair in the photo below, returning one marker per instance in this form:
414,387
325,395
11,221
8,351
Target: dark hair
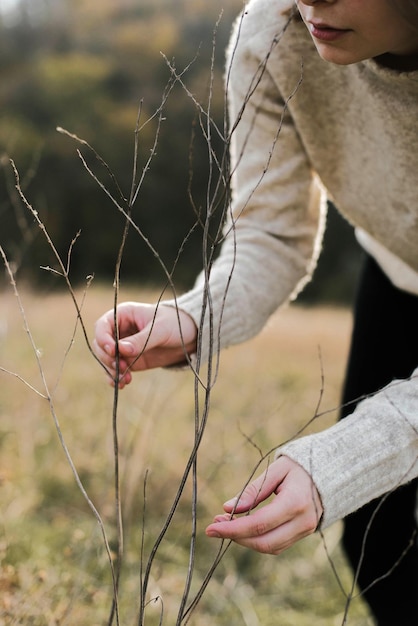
409,10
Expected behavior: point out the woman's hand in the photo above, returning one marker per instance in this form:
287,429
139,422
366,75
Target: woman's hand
149,336
293,513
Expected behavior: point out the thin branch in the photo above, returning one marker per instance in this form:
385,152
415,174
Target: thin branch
49,399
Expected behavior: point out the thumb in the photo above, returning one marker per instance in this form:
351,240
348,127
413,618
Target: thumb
245,501
134,345
258,490
127,347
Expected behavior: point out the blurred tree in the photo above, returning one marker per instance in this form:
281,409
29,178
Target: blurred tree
86,65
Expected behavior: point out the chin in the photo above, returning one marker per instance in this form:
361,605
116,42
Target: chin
339,57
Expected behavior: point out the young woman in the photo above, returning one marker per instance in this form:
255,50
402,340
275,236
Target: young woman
327,103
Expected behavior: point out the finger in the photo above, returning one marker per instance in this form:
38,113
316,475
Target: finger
105,355
258,536
255,525
107,358
258,490
135,321
104,346
105,329
125,379
153,334
113,372
127,324
136,344
282,536
276,541
223,517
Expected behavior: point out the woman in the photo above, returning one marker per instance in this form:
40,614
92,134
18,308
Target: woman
323,101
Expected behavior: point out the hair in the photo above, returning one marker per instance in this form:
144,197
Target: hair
409,10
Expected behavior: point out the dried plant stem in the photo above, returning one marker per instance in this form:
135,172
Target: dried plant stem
47,395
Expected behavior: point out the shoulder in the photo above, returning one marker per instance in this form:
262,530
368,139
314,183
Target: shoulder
263,13
268,40
261,27
259,19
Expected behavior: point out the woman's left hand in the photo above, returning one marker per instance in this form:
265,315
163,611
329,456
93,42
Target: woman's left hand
293,513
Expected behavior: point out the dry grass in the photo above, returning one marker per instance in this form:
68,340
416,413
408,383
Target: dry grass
53,564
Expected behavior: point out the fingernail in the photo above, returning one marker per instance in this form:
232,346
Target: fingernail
126,346
108,349
213,533
231,502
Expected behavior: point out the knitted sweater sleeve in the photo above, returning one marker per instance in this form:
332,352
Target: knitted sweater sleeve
274,227
365,455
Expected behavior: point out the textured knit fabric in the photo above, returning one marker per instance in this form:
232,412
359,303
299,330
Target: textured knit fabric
309,130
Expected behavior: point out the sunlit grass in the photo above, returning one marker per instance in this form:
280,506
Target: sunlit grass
54,568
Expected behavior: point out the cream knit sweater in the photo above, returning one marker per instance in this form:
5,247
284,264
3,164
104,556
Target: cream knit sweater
312,130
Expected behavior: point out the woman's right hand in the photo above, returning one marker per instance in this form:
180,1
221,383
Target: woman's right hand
149,337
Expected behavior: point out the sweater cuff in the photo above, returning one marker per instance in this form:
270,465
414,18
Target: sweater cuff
360,458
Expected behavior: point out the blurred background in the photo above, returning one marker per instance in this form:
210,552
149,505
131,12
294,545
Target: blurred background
89,66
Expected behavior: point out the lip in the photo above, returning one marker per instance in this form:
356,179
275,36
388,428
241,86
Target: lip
325,32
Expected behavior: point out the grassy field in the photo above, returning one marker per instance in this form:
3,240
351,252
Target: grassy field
54,568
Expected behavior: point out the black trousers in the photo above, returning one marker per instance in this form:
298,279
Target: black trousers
384,346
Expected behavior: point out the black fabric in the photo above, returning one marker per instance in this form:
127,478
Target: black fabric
384,347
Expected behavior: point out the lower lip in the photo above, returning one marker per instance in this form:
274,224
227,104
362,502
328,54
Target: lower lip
327,34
